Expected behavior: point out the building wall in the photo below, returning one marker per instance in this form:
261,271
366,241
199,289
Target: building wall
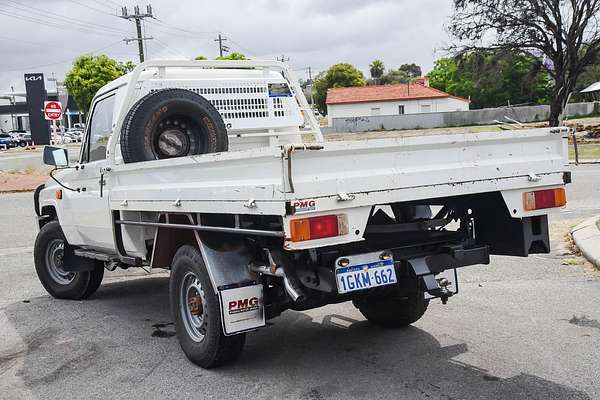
374,109
486,116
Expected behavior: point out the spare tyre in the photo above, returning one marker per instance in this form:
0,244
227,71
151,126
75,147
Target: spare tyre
170,123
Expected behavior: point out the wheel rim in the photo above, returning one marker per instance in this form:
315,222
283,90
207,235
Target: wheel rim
192,307
177,136
54,262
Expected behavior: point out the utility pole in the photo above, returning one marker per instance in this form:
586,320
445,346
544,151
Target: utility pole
310,82
222,48
283,58
138,17
13,121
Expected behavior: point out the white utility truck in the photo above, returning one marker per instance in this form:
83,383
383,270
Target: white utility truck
218,171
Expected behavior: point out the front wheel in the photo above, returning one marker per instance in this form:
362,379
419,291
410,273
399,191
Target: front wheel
196,311
394,311
48,256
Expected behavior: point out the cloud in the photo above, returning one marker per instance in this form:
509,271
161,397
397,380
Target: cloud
316,33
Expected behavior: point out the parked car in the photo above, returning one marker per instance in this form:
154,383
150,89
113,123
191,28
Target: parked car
75,135
7,141
22,138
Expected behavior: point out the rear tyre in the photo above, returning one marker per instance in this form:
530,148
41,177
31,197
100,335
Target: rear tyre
394,311
196,311
48,255
171,123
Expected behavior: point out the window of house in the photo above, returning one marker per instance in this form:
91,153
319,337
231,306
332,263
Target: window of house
100,129
401,110
375,111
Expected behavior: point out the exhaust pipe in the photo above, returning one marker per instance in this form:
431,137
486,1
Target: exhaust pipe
293,292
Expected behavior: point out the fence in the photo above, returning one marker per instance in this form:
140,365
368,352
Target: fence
456,118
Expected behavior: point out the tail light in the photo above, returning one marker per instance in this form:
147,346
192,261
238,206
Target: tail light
318,227
541,199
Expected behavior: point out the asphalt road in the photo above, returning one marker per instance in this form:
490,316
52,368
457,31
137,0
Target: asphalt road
520,328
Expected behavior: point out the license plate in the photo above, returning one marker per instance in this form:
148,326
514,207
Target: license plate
362,274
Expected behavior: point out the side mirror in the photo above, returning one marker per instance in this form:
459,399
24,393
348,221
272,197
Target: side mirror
56,156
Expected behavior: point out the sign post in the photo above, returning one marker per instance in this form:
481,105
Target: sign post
53,112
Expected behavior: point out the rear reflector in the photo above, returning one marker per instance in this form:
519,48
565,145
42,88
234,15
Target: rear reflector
541,199
318,227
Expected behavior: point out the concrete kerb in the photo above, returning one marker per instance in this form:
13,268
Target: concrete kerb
587,238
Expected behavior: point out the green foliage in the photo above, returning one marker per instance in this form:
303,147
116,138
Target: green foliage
339,75
90,73
591,74
233,56
412,70
377,69
127,66
394,77
201,57
404,74
493,78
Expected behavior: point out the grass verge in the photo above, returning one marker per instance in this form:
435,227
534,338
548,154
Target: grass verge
587,151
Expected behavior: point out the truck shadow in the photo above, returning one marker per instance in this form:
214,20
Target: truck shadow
108,345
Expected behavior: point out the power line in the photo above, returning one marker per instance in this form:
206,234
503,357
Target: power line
23,41
117,5
12,14
170,49
92,8
165,25
243,48
62,18
58,62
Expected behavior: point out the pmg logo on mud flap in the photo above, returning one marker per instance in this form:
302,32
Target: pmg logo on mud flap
243,305
303,206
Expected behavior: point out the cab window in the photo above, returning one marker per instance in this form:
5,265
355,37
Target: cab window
100,129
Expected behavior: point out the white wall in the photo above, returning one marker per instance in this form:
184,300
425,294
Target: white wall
391,108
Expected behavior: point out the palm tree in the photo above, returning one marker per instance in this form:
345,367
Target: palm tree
377,69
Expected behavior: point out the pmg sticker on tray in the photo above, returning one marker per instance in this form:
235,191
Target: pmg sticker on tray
304,206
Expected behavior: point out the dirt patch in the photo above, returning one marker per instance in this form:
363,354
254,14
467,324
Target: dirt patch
11,182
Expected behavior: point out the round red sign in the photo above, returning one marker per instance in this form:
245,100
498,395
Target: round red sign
52,110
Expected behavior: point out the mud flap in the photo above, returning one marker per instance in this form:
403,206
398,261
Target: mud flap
242,308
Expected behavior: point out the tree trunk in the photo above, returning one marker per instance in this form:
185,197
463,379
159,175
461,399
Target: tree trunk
556,111
560,98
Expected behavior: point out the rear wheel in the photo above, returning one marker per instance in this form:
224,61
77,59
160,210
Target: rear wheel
394,311
49,257
196,311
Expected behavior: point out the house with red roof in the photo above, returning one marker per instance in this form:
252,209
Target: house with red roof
371,101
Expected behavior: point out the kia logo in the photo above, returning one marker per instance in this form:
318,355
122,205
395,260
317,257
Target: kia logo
33,78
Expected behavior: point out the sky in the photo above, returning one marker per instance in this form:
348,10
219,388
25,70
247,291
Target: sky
42,36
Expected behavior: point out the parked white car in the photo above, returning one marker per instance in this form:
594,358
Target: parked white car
200,167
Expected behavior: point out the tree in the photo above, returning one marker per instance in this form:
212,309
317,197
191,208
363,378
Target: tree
492,78
394,77
127,66
412,70
564,33
339,75
90,73
233,56
377,69
200,57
